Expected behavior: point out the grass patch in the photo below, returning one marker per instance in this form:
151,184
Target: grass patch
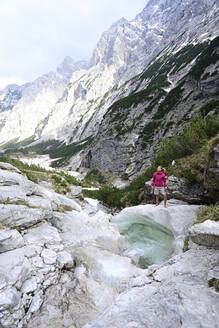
64,208
208,213
186,244
17,202
96,177
213,282
60,181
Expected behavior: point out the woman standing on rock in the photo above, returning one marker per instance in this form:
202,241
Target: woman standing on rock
158,184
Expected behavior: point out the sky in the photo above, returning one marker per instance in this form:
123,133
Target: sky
36,35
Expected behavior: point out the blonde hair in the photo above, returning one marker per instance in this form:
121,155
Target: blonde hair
159,168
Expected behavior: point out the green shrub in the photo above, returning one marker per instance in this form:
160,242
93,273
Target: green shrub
193,138
64,183
170,101
187,142
64,208
95,177
32,176
188,175
108,195
149,129
208,213
212,105
186,244
71,179
209,56
57,178
213,282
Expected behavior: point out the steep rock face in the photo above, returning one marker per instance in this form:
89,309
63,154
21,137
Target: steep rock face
25,108
179,84
10,96
124,50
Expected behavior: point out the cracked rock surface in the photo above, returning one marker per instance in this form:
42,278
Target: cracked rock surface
48,267
68,269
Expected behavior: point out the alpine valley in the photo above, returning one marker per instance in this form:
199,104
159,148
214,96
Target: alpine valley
81,244
146,79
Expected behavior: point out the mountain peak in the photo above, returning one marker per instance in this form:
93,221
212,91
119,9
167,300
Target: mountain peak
68,66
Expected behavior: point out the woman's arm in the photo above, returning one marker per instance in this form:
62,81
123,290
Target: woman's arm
164,180
153,182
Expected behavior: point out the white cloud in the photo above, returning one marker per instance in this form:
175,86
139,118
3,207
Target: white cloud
35,35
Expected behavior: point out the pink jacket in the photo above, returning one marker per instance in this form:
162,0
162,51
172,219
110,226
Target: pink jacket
159,179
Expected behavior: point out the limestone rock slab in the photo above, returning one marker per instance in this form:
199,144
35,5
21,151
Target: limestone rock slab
20,215
42,235
9,167
10,239
180,298
206,234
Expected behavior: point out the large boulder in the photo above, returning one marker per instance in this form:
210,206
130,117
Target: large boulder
88,230
179,189
10,239
9,167
22,216
75,192
206,234
178,296
11,178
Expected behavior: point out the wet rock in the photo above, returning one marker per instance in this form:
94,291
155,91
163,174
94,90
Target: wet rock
168,301
76,228
176,218
111,269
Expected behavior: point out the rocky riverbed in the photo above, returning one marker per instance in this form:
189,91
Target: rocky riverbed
63,264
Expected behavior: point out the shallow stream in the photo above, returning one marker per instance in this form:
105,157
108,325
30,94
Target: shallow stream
148,242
